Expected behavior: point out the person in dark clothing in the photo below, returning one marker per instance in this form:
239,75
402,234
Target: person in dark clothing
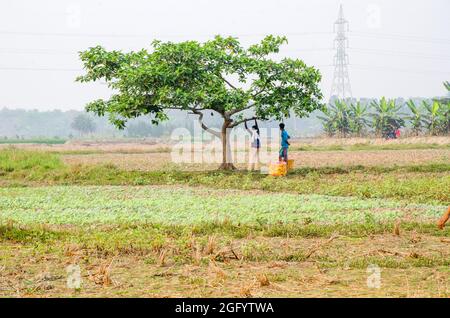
255,146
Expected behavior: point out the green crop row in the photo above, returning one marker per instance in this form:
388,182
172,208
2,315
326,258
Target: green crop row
174,205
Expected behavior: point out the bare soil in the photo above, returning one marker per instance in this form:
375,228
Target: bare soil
163,160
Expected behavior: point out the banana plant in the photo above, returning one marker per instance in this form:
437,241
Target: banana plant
328,122
358,118
447,85
445,111
342,121
432,116
336,119
416,118
444,118
386,117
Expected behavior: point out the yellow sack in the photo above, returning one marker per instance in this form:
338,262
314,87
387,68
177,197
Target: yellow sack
290,164
278,169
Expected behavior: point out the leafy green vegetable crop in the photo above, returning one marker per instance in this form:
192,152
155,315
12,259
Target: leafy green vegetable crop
183,205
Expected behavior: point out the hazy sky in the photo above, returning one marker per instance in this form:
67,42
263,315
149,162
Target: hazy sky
396,48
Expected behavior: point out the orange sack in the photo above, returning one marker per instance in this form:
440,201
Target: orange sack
444,219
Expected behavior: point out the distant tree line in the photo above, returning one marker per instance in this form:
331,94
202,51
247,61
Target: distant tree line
25,124
84,124
342,118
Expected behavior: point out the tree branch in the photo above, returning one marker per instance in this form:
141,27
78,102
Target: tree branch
229,84
262,90
235,111
237,123
204,127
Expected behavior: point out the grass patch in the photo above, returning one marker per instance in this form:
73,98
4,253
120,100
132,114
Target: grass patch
49,141
396,262
27,163
371,147
24,234
417,183
180,242
115,151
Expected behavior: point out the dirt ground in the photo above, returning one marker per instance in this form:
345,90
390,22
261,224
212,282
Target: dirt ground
158,161
337,268
158,145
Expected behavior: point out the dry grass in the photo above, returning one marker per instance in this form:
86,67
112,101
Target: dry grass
102,275
262,279
336,269
159,161
397,228
162,258
99,147
439,140
155,154
211,246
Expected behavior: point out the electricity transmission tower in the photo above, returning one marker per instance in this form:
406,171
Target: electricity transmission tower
341,81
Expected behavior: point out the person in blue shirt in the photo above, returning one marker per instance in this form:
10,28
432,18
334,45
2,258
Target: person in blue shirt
283,156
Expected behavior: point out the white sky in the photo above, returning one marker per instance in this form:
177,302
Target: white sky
397,48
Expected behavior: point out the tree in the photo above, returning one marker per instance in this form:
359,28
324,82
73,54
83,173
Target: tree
386,117
83,124
219,76
416,118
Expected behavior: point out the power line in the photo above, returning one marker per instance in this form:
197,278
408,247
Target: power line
117,35
36,51
307,49
389,36
357,66
400,53
51,52
40,69
79,70
354,49
314,33
374,51
393,69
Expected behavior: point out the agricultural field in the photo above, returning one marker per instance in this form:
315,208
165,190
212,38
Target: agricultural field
33,141
138,226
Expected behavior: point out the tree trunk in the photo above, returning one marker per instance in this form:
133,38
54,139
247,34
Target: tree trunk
227,160
224,135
